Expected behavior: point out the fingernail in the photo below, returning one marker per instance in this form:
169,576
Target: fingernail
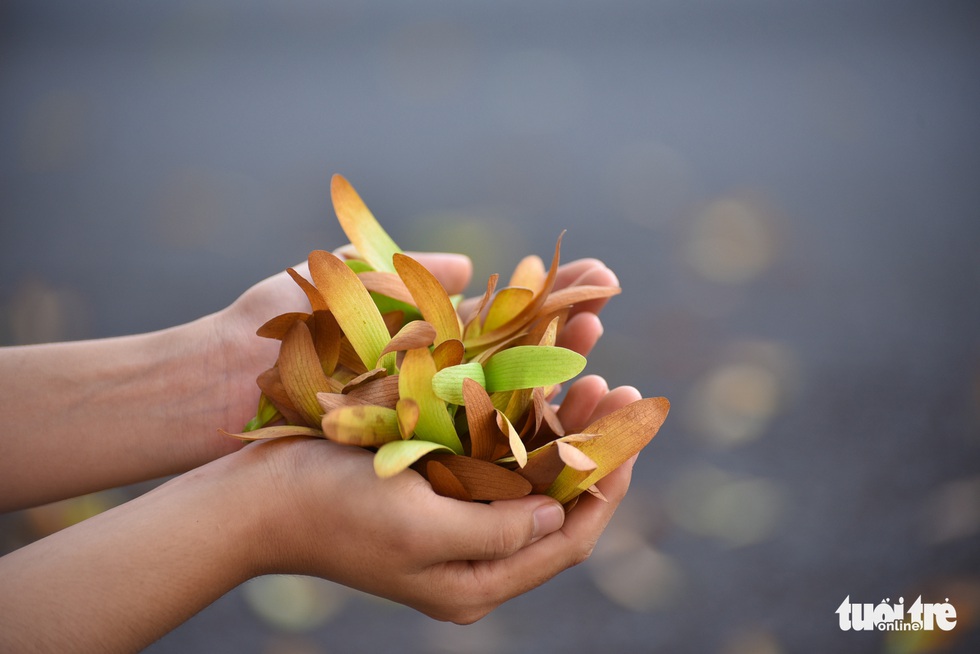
547,519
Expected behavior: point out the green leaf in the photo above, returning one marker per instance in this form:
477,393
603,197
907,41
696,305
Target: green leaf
396,456
415,383
527,366
447,384
264,414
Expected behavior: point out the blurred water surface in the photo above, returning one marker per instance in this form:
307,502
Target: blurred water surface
788,192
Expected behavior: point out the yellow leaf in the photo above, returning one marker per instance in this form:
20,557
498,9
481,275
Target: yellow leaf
513,438
361,424
408,416
620,435
506,305
529,273
430,297
357,221
396,456
352,307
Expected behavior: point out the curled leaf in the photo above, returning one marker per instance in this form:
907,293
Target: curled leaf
513,439
415,334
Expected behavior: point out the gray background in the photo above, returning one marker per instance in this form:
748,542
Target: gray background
788,192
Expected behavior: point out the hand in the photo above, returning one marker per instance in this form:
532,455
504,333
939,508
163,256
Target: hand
583,329
333,517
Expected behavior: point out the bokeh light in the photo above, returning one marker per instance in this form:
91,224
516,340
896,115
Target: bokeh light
734,402
293,603
734,510
732,239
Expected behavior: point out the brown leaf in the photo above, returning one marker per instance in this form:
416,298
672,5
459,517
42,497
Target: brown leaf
364,378
418,333
317,301
326,339
330,401
448,353
277,327
542,468
445,483
567,297
301,374
383,392
481,418
270,383
484,480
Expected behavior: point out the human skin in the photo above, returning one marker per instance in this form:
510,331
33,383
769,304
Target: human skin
97,414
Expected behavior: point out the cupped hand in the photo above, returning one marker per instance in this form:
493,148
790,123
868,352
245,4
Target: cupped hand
332,517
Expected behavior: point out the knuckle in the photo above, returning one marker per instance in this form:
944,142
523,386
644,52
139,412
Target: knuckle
504,542
582,553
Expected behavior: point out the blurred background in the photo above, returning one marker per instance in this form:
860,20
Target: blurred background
789,192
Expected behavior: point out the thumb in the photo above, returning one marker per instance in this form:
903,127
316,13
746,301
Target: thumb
499,529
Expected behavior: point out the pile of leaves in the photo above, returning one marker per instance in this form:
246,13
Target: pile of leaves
457,389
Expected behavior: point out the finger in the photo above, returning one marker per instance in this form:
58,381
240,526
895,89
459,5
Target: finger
452,270
569,272
469,531
581,333
535,564
580,401
596,276
614,400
